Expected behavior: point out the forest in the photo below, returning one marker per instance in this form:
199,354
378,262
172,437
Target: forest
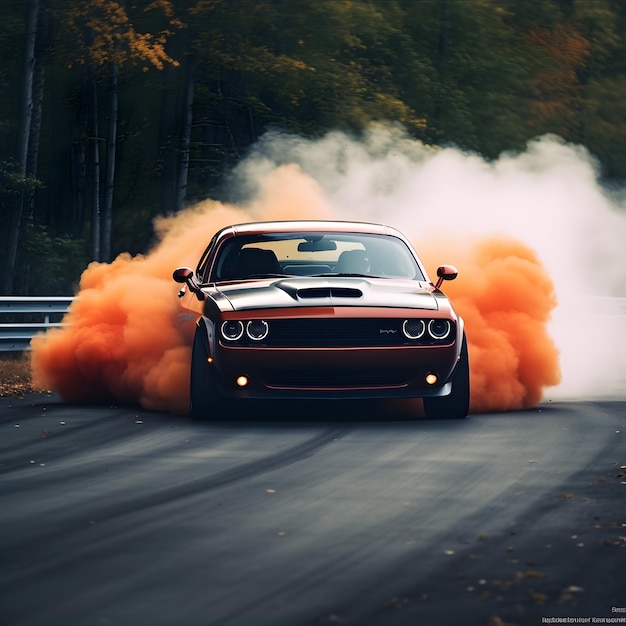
114,112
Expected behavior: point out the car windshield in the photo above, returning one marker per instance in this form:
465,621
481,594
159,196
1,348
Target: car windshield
314,254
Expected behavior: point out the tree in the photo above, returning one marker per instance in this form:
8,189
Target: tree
479,71
306,68
107,40
89,156
556,88
602,111
24,143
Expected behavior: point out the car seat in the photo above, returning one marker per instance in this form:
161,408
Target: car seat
253,261
352,262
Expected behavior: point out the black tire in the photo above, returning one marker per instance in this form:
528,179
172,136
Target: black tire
455,405
205,401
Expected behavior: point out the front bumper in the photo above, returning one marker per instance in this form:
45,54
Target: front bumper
333,373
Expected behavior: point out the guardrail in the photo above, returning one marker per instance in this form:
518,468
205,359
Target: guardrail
609,305
15,336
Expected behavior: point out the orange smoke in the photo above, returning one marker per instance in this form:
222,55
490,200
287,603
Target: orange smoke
505,297
122,342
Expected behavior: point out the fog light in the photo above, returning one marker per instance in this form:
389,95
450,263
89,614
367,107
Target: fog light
431,378
242,381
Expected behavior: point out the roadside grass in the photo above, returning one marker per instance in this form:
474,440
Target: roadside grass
15,374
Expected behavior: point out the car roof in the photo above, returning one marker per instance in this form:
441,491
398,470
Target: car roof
310,225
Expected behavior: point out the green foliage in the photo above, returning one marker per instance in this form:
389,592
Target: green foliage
50,265
13,183
604,128
318,65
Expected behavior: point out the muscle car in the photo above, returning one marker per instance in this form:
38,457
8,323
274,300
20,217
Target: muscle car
320,310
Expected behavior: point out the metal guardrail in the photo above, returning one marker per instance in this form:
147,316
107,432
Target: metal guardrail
16,336
608,305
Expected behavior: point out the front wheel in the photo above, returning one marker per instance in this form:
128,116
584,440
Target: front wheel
455,405
205,400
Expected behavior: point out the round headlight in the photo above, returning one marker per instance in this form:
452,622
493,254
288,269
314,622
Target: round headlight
257,329
439,329
232,330
413,329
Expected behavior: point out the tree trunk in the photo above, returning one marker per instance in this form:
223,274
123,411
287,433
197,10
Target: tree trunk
32,160
183,166
169,138
80,143
94,138
107,221
15,220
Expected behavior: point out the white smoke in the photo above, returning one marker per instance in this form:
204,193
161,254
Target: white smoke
549,196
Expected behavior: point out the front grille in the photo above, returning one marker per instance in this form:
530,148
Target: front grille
340,332
335,332
340,379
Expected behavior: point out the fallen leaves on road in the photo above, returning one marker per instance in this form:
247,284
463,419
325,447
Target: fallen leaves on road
497,621
15,376
538,597
398,602
531,574
620,542
570,594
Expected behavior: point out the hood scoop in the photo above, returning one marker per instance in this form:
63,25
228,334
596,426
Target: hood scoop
328,292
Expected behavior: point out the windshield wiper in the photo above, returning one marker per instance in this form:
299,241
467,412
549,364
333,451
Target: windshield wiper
268,275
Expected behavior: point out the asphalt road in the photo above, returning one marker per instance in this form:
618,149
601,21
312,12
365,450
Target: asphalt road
348,514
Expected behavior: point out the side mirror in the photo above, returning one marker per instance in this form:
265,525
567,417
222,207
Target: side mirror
186,276
446,272
182,274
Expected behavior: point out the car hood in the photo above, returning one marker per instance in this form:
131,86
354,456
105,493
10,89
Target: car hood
323,292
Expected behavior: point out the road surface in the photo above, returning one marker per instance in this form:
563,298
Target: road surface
346,514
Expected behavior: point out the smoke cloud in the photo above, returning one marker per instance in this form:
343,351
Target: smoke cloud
535,236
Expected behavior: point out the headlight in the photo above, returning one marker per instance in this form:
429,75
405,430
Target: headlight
232,330
413,329
257,330
439,329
